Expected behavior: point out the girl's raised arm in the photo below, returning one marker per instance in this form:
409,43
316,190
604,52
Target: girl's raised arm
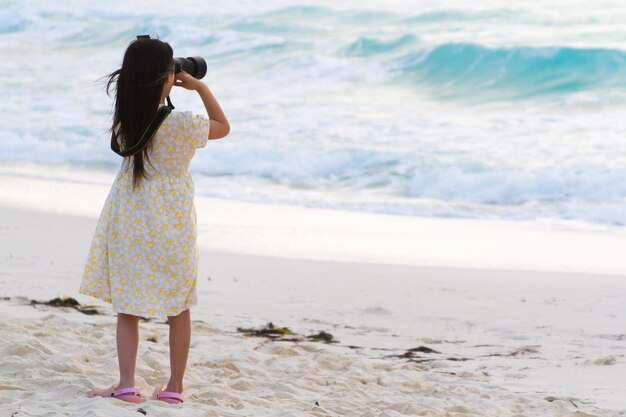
219,123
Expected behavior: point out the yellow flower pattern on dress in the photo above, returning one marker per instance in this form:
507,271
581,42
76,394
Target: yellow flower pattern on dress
143,257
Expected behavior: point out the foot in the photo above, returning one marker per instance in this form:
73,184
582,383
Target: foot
123,393
170,397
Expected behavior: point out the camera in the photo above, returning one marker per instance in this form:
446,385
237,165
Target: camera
192,65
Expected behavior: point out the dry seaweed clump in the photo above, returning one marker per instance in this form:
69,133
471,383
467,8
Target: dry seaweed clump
270,331
412,355
67,302
284,334
322,337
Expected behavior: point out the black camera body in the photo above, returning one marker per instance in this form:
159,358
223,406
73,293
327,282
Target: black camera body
192,65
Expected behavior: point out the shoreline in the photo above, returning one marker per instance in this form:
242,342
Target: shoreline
325,234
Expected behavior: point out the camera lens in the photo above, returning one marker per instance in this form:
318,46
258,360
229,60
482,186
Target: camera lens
193,65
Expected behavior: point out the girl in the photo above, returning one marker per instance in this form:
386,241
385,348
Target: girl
143,258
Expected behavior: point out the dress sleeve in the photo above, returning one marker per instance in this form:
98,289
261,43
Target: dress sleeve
196,128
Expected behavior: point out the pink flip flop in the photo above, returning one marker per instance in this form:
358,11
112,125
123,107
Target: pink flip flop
127,394
169,397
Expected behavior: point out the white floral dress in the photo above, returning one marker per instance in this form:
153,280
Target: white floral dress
143,258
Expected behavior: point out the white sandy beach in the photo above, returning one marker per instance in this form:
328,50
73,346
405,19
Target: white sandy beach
528,319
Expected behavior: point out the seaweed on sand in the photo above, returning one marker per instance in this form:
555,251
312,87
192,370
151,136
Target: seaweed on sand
412,356
279,334
269,331
67,302
322,337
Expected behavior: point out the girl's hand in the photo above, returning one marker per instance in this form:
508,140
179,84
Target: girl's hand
183,79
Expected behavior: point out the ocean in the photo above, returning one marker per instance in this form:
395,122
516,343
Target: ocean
486,109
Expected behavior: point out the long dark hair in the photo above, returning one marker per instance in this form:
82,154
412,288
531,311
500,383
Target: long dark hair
138,88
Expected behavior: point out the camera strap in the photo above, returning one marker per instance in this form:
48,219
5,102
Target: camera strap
148,134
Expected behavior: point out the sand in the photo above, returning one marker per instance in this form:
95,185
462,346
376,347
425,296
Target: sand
533,327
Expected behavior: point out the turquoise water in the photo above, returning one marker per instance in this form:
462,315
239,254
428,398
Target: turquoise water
487,110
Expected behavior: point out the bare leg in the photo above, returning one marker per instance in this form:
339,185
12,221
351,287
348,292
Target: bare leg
127,344
180,337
